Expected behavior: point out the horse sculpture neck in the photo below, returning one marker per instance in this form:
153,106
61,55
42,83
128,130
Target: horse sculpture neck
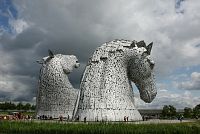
53,74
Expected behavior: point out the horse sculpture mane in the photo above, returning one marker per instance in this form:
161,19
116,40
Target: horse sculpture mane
106,91
56,96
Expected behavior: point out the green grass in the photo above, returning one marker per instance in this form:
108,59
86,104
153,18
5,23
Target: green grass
13,127
29,113
3,113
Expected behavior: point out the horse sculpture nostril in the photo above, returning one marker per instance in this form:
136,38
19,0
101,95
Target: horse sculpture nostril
152,65
77,65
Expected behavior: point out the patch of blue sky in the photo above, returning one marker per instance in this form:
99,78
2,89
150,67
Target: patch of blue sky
178,3
187,70
6,6
179,75
182,74
7,12
178,6
164,80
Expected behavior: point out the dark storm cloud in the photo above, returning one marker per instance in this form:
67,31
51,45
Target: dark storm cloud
26,40
70,32
81,47
78,27
14,87
4,96
75,76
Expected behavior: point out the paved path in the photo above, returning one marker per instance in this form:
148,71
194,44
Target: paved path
152,121
156,121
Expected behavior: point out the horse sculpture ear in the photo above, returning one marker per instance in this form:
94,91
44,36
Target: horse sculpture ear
40,61
51,55
141,44
132,44
149,47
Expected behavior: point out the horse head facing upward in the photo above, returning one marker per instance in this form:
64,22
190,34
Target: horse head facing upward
56,96
66,62
106,91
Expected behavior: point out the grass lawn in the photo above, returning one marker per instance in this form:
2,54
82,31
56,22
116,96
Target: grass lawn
3,113
12,127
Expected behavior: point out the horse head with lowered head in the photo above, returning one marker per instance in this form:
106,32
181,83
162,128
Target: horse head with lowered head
140,71
106,90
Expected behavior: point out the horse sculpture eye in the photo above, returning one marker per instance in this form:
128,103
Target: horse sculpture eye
144,54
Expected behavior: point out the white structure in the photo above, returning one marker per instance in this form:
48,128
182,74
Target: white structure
56,96
106,91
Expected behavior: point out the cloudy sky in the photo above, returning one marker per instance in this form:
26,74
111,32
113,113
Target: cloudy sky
28,28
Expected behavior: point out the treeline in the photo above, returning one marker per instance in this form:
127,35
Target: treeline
169,111
18,106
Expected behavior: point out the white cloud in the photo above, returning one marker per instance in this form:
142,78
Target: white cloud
78,27
166,97
192,84
18,25
175,35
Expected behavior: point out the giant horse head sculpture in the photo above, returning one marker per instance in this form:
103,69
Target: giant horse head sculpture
106,90
56,96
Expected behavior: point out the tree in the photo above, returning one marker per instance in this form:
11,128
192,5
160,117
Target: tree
12,106
7,106
33,107
187,112
196,111
172,110
27,106
168,111
165,111
19,106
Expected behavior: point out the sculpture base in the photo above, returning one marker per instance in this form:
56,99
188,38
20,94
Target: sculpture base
109,115
55,114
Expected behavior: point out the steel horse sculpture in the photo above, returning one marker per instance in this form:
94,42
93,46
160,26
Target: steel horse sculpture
106,90
56,96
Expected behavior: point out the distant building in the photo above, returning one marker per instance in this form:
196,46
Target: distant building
155,113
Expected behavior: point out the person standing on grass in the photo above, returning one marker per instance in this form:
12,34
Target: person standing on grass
61,118
67,117
181,118
124,118
85,119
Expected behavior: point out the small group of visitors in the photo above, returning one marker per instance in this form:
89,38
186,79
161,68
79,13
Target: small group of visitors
16,116
125,119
